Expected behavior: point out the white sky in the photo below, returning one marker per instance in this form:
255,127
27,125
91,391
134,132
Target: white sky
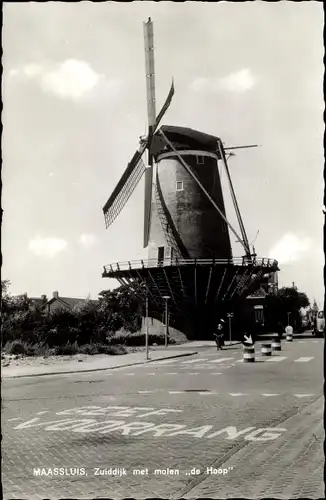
75,106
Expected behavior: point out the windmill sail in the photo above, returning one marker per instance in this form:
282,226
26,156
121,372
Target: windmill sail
136,167
132,176
149,170
125,186
151,116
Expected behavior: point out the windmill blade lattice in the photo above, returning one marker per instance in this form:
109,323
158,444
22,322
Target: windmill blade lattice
125,187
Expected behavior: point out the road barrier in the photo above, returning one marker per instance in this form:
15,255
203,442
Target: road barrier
248,354
266,349
289,333
276,345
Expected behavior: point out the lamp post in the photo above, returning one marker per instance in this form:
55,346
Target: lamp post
146,328
166,298
230,316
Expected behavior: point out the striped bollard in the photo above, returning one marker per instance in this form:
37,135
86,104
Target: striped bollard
289,333
266,349
248,354
276,345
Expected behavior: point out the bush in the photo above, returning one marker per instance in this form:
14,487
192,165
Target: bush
15,347
89,349
139,339
98,348
114,349
39,350
67,350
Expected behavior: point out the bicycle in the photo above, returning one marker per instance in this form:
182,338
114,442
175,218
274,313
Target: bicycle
219,341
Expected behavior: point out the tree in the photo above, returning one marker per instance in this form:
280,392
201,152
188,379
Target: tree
121,308
90,321
19,319
286,300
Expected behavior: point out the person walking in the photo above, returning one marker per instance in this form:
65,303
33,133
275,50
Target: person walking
219,334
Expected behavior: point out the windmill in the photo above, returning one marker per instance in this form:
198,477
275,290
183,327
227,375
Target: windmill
186,228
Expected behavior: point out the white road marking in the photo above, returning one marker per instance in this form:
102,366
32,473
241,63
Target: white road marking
216,373
41,412
303,395
170,373
193,373
303,359
210,393
129,374
145,392
238,394
177,392
13,419
257,358
151,373
269,394
193,361
202,367
277,359
137,428
165,362
220,360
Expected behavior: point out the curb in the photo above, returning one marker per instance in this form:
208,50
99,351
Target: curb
100,369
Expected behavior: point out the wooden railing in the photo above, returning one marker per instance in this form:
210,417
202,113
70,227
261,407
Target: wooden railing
151,263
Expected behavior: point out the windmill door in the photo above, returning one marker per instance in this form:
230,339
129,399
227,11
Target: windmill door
160,256
164,256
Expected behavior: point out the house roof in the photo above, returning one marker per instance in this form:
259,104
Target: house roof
37,301
69,302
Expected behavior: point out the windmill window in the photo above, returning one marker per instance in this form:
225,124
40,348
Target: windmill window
179,185
200,160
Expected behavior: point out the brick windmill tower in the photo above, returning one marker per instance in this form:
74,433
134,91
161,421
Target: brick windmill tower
190,268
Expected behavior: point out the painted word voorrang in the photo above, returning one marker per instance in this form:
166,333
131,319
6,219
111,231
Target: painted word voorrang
140,428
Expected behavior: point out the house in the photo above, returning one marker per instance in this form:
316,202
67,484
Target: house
254,308
57,302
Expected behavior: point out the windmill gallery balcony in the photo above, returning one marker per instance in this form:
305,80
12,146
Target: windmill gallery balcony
200,289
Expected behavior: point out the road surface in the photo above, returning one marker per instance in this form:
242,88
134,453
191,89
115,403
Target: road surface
202,426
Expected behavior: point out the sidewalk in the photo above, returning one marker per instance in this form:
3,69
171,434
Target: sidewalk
78,364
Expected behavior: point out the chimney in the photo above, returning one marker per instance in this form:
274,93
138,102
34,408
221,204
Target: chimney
43,297
55,295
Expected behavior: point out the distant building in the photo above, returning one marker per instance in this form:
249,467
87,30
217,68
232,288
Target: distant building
254,309
57,302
